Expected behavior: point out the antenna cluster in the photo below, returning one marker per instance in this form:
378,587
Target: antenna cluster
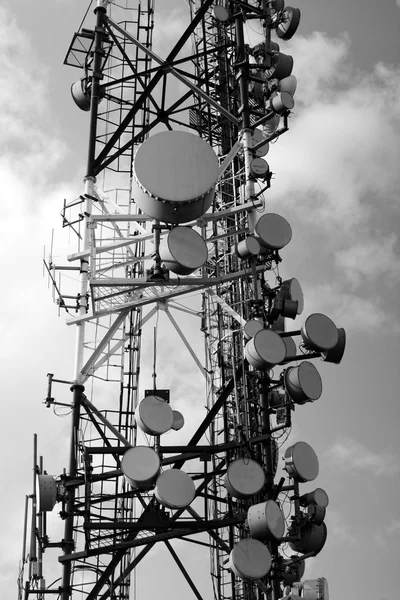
174,224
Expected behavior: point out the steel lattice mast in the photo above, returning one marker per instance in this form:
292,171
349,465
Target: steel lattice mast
237,97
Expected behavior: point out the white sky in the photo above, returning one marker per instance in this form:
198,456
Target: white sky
337,182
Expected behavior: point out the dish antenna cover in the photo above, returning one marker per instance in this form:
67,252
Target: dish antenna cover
154,416
244,478
175,489
250,559
183,251
319,333
273,231
303,383
47,489
265,350
318,497
335,354
80,94
301,462
175,173
141,466
178,421
266,521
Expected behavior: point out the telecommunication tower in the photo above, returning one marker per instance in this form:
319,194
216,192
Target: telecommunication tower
173,224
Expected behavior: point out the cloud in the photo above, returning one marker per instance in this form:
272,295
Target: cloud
337,179
340,532
370,259
349,455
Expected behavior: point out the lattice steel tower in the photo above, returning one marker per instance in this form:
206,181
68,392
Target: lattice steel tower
172,228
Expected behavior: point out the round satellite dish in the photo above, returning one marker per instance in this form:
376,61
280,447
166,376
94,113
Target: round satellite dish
303,383
270,126
175,173
291,289
259,168
220,13
248,247
319,333
183,251
252,326
291,349
318,497
335,354
250,559
178,421
313,538
282,102
141,466
315,589
301,462
256,137
175,489
273,231
244,478
266,521
288,84
282,66
265,350
154,416
80,94
47,492
294,572
289,23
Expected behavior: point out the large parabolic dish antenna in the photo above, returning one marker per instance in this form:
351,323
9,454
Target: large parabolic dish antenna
175,174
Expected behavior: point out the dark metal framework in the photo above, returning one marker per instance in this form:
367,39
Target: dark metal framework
131,97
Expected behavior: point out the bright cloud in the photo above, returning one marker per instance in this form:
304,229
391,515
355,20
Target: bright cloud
337,176
349,455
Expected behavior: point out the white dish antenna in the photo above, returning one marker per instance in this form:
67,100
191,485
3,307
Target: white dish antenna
301,462
303,383
178,421
141,466
251,327
154,416
183,251
175,174
266,521
265,350
250,559
175,489
319,333
248,247
318,497
273,231
244,478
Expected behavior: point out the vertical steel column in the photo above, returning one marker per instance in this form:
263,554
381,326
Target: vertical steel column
68,541
78,388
